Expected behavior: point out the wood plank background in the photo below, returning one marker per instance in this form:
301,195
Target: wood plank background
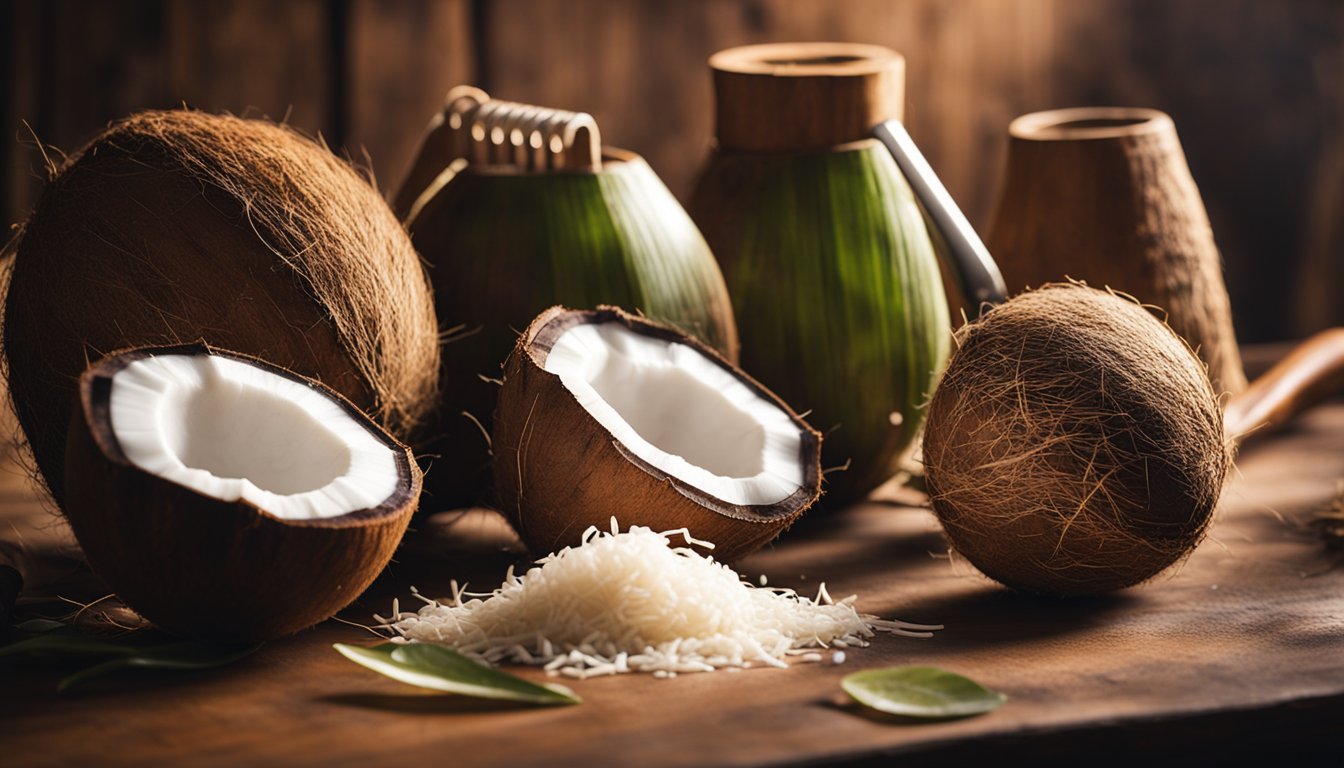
1256,89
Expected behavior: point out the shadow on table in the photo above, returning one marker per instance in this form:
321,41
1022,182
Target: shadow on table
992,611
424,704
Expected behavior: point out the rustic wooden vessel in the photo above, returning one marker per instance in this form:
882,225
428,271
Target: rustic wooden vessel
828,261
1103,194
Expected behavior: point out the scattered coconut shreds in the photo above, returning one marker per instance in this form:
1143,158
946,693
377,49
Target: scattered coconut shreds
633,602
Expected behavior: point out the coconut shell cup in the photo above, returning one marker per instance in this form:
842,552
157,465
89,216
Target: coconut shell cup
211,569
558,471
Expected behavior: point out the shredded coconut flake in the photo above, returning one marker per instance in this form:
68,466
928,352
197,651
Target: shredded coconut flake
633,602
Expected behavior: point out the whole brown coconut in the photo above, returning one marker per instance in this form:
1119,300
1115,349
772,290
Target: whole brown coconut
1075,445
181,226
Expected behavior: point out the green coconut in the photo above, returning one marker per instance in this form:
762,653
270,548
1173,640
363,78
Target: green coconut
837,290
503,245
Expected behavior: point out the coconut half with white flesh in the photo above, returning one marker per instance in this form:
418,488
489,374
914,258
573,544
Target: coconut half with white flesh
226,498
603,414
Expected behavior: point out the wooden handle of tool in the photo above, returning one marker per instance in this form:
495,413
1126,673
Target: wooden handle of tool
1312,372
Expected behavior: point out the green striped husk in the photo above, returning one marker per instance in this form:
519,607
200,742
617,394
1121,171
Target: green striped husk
503,246
837,293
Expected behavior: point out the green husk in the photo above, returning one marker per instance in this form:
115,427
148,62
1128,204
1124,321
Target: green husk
504,245
836,287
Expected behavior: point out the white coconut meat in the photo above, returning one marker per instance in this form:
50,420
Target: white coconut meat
681,412
231,430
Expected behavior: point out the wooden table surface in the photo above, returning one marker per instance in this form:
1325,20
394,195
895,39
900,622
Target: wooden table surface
1238,655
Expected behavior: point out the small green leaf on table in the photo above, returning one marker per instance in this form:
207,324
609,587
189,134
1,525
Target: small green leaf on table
173,656
54,639
927,692
442,669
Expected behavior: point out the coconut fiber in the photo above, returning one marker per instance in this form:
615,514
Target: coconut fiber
182,226
1075,444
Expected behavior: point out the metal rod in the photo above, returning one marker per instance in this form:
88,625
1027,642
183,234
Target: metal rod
974,269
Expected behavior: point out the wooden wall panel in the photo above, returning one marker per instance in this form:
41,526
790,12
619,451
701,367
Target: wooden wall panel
255,57
404,56
78,65
1256,88
1320,270
83,63
1257,93
640,67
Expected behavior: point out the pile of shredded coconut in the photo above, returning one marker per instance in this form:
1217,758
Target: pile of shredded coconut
633,602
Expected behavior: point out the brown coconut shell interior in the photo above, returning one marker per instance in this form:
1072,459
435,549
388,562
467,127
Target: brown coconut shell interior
204,567
559,471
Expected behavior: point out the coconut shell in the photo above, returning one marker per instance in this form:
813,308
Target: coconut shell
1104,194
201,567
838,296
179,226
1075,444
558,471
504,244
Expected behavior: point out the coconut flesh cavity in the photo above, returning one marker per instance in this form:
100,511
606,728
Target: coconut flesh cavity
677,410
231,430
604,414
228,499
641,601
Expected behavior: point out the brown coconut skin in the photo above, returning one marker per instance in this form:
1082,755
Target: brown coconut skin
1105,195
558,471
172,227
214,570
1075,445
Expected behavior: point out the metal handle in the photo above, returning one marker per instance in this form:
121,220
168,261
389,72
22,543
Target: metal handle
974,269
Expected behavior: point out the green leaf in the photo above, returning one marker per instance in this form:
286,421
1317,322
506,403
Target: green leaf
173,656
41,626
58,640
432,666
65,642
921,692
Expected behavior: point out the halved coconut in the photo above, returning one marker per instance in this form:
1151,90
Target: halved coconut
604,414
226,498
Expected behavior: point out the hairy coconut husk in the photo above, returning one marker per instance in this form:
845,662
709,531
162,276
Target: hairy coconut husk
838,296
182,226
504,244
1075,444
558,471
1103,194
202,567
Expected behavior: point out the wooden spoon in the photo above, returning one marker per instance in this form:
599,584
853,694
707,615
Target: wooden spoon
1313,371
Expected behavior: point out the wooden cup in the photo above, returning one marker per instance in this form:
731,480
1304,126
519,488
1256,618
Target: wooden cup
1104,195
